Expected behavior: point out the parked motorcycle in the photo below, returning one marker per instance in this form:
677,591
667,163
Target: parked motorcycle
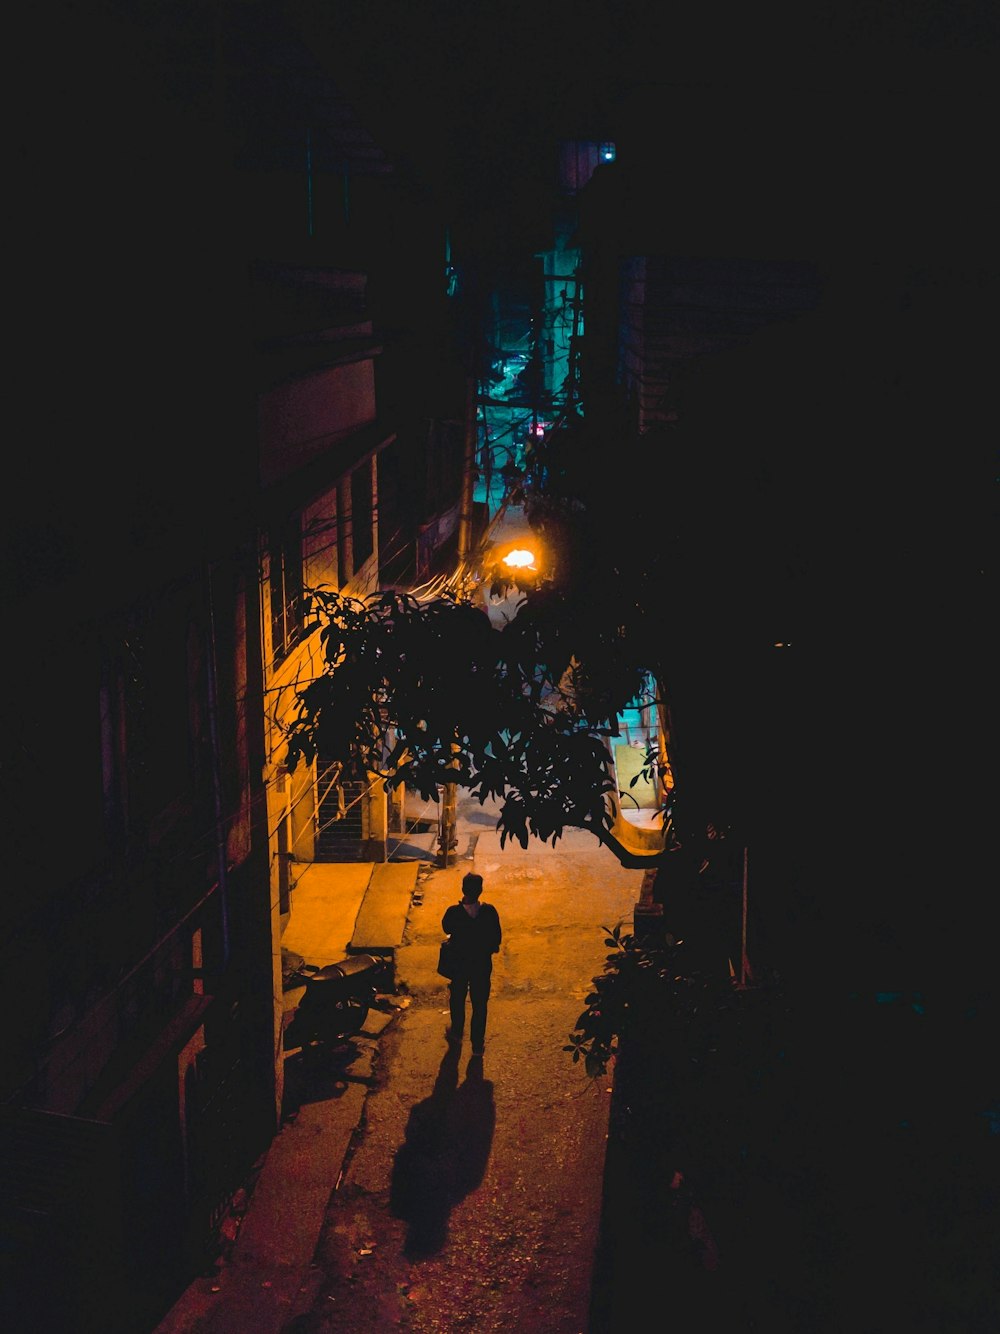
335,1001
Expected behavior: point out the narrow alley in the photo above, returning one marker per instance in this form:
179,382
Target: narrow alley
472,1196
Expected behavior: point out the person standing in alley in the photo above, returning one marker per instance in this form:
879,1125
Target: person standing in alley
474,927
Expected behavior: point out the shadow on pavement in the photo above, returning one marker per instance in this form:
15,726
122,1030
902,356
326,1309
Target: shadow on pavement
319,1075
448,1140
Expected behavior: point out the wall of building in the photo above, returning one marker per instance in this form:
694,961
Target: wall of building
141,790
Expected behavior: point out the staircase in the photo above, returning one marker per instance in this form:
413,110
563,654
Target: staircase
341,834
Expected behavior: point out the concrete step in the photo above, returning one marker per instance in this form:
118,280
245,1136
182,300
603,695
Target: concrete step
381,918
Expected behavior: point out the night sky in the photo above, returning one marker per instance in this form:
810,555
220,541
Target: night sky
882,111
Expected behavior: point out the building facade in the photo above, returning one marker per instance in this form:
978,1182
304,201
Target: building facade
233,418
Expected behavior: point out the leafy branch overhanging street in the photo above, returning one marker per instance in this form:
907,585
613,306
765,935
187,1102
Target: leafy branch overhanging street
426,692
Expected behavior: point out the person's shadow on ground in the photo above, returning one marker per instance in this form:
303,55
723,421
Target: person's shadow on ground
444,1155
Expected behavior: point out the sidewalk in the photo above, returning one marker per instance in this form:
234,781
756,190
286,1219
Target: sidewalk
337,908
267,1279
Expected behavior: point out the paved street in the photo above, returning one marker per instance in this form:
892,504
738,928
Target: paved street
818,1161
472,1198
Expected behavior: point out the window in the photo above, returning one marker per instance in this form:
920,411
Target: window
287,602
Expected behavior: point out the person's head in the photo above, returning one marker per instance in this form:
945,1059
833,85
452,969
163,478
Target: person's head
472,886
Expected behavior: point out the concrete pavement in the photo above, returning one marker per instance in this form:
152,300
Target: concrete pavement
267,1278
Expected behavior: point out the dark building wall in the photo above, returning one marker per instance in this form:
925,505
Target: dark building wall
825,479
131,581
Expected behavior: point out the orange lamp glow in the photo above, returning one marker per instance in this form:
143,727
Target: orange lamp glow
520,559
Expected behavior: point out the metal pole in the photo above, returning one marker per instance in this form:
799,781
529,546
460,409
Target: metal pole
448,830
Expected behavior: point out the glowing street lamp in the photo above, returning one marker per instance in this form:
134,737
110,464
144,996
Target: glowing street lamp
520,559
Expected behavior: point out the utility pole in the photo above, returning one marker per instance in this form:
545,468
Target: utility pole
448,827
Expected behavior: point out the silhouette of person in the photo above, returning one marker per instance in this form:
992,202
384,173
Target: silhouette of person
444,1156
475,929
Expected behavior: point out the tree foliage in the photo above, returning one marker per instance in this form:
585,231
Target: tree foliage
635,972
424,693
